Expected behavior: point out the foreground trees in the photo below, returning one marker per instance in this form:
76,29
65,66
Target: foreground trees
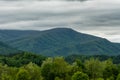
23,75
58,69
80,76
111,71
94,68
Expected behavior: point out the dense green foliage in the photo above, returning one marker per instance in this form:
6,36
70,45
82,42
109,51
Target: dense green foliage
27,66
80,76
58,69
20,59
17,60
118,77
58,42
73,58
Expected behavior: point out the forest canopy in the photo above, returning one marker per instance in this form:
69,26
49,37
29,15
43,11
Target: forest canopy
36,67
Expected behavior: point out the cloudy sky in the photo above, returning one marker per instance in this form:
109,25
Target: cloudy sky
96,17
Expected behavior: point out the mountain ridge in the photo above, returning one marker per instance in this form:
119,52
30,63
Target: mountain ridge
60,42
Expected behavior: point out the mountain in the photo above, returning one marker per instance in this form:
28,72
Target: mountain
6,50
9,35
59,42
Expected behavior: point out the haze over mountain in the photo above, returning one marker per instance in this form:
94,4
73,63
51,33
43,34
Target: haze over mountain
58,42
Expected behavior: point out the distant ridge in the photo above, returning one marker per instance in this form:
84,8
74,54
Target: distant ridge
58,42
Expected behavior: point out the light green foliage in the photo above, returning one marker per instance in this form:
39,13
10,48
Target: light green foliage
94,68
56,67
6,77
33,70
118,77
80,76
100,79
57,78
23,75
7,73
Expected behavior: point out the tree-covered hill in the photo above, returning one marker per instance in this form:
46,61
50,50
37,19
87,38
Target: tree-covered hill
58,42
6,49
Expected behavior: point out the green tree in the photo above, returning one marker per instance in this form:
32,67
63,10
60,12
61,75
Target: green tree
118,77
46,69
80,76
75,67
33,70
111,71
7,73
54,67
23,75
6,77
57,78
94,68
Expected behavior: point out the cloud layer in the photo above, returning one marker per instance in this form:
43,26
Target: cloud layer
97,17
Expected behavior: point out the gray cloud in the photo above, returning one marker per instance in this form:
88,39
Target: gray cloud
97,17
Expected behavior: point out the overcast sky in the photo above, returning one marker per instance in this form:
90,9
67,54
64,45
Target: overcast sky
97,17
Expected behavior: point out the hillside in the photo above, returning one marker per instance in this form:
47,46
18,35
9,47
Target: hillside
6,50
9,35
59,42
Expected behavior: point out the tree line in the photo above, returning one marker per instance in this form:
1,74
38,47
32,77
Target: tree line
37,67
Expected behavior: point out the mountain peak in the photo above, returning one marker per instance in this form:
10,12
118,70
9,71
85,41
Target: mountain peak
61,30
59,42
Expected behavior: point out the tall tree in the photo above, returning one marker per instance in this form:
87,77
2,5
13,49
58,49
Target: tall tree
23,75
80,76
111,71
33,70
54,67
94,68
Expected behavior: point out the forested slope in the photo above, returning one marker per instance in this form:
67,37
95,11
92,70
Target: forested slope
58,42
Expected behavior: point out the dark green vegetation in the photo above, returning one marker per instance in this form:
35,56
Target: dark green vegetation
6,49
20,59
72,58
37,67
58,42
